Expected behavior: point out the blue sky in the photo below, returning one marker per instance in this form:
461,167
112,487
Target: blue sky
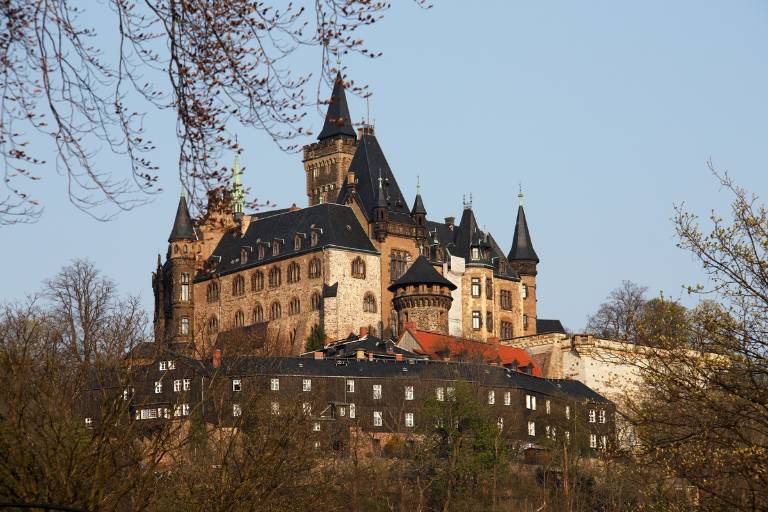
605,111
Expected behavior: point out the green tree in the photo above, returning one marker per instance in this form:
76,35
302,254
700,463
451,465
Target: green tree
316,338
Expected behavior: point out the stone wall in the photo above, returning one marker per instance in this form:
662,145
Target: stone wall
349,315
325,164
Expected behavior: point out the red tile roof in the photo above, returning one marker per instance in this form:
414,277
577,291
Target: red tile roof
440,347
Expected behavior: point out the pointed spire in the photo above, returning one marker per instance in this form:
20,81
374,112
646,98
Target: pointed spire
522,247
238,197
381,200
337,119
418,204
182,225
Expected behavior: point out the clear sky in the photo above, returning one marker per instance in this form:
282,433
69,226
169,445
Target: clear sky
605,111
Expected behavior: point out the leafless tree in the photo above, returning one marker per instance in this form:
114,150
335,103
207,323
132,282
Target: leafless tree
211,62
617,317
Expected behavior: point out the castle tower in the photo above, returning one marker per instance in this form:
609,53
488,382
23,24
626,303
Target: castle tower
423,297
524,260
327,160
418,212
179,270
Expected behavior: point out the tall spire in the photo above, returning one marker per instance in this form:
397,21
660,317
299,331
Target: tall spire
337,119
238,197
182,225
418,204
522,247
381,200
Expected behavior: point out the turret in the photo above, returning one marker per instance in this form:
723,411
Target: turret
418,212
523,258
423,297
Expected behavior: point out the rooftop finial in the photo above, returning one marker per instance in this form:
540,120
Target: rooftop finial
338,61
520,193
418,185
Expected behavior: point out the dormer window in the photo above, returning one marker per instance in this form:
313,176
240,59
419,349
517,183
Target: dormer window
261,251
276,248
475,253
313,238
243,256
297,243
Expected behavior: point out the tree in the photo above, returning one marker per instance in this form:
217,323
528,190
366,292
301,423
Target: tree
661,318
211,62
617,317
316,339
702,417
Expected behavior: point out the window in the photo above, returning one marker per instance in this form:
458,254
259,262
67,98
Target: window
313,238
261,251
128,393
377,391
185,287
88,422
177,386
297,243
358,268
239,320
243,256
306,385
489,321
377,419
158,387
294,308
294,273
451,392
275,277
505,300
593,440
352,411
187,384
567,412
525,291
475,253
163,365
603,444
505,330
525,321
601,417
171,365
507,398
238,286
592,416
547,406
440,394
275,312
316,426
398,261
258,314
213,324
236,385
475,286
185,409
184,326
148,414
489,288
342,411
548,432
567,435
257,281
531,428
409,419
315,301
237,411
275,408
212,292
530,402
306,408
369,303
491,397
274,384
314,268
276,248
476,321
350,386
409,392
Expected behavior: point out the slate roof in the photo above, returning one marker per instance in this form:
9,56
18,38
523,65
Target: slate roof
421,272
368,163
544,326
337,118
336,225
369,344
441,346
418,205
522,247
182,224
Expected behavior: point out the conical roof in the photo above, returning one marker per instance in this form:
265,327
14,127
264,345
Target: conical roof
522,247
421,272
418,206
182,225
337,119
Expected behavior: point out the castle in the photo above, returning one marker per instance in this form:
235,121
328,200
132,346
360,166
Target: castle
356,257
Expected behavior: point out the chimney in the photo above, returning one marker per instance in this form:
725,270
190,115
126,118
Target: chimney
319,354
293,208
363,332
449,221
351,183
360,354
398,357
217,358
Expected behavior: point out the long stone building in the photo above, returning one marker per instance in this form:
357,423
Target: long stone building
336,263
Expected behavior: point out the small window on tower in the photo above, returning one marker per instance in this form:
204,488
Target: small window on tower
243,256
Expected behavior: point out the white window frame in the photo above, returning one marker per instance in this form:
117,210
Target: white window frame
409,392
306,385
477,321
491,397
306,408
275,408
350,386
158,387
500,423
507,398
185,409
237,385
89,422
351,411
593,440
603,442
177,385
440,394
171,365
163,366
186,384
567,412
409,419
237,411
548,406
592,416
274,384
316,426
377,393
532,428
177,410
530,402
601,416
378,419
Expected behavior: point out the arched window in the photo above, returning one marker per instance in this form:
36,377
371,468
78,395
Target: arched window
243,256
213,324
275,311
295,307
358,268
239,318
294,273
212,293
315,269
275,277
313,238
238,285
398,261
316,301
275,247
297,243
261,251
369,303
258,314
257,281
